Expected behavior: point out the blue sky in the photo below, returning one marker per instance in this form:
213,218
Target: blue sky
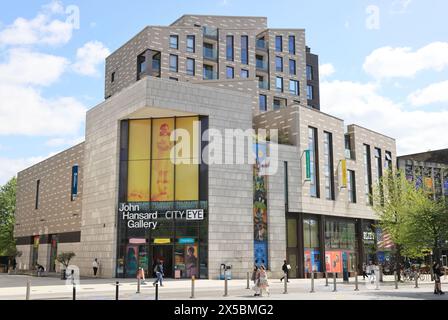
384,64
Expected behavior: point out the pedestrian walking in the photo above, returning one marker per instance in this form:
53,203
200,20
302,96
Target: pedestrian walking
158,270
95,266
437,270
263,282
255,280
286,267
371,272
364,271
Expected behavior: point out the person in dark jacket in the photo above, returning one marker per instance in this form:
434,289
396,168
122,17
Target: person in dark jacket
285,269
437,270
159,273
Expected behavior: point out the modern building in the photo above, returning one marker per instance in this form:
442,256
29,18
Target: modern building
132,194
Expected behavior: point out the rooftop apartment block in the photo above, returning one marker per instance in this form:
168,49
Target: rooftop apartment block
211,48
118,197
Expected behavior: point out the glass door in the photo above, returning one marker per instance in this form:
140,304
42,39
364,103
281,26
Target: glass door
164,254
293,262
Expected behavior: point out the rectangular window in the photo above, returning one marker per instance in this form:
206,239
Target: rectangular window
112,77
244,49
279,43
309,73
229,48
294,87
286,183
279,84
314,161
191,67
388,162
367,175
379,164
310,92
263,102
292,67
141,63
174,63
244,73
37,194
328,166
230,73
279,103
191,44
279,64
174,42
292,44
351,185
209,74
75,182
174,79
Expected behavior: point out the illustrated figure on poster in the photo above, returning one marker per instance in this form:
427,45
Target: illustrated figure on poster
191,262
162,168
131,261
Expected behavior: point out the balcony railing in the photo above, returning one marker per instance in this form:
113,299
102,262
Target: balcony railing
210,75
210,32
262,65
262,45
263,85
210,54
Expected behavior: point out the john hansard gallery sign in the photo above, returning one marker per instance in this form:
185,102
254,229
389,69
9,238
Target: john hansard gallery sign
146,215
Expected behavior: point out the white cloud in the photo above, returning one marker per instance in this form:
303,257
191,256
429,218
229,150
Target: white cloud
24,111
89,57
10,167
64,142
437,92
400,6
326,70
43,29
359,103
389,62
25,67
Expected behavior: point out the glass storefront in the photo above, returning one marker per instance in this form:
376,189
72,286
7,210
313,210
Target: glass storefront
311,245
163,209
340,245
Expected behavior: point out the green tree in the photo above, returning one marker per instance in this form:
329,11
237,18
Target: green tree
7,220
393,196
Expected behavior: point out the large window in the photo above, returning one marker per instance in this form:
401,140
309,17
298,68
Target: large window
314,162
279,64
294,87
229,48
244,49
191,70
263,102
191,44
292,67
244,73
309,73
367,175
379,164
311,245
328,166
340,245
388,161
174,42
279,43
230,72
351,185
310,92
279,84
292,44
174,67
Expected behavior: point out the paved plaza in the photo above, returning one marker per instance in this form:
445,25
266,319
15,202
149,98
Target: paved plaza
13,287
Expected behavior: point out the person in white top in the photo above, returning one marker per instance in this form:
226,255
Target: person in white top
95,266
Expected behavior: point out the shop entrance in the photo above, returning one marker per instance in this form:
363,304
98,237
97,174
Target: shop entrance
165,254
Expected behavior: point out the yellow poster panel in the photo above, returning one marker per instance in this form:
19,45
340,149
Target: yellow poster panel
138,181
187,182
161,144
188,138
139,139
162,181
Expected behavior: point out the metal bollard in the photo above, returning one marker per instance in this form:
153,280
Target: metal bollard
157,291
74,292
248,282
28,290
138,285
356,281
416,281
193,279
334,282
396,279
326,278
117,286
286,284
312,282
226,285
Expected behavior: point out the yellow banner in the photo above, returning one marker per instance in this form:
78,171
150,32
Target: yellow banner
344,173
